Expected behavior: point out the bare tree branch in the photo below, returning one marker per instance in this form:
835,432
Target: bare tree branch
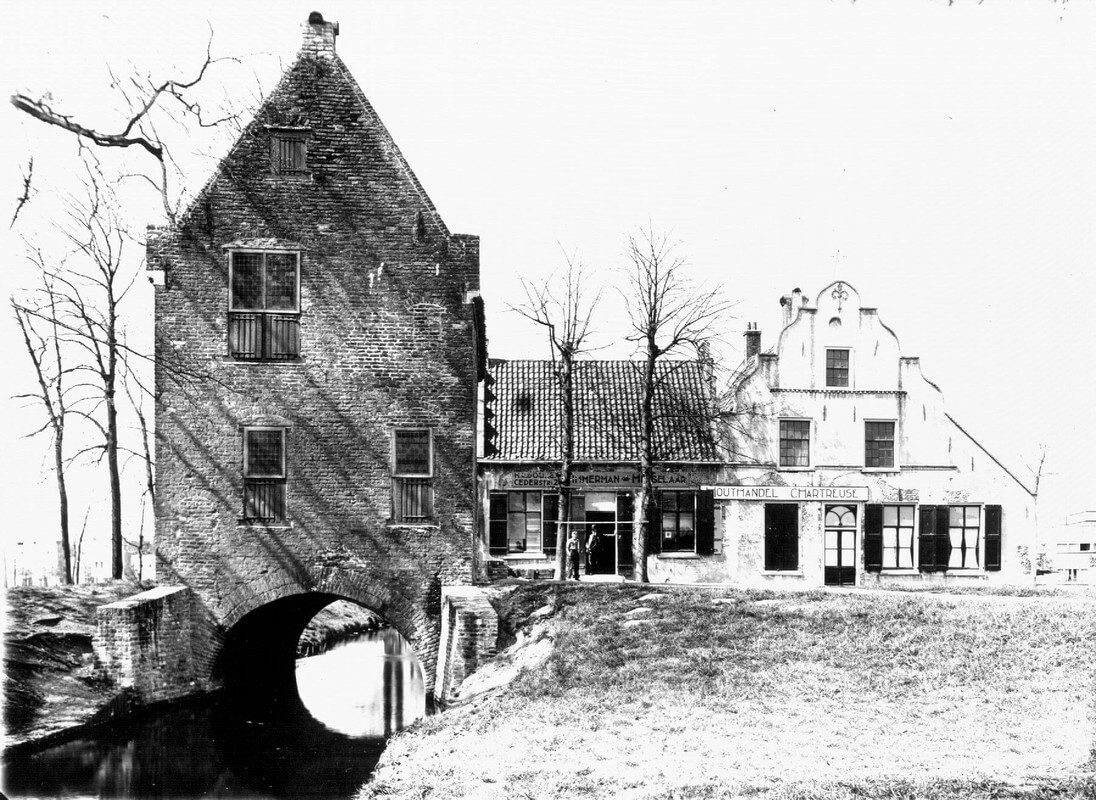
26,192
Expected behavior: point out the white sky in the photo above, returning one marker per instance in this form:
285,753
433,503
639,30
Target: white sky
942,159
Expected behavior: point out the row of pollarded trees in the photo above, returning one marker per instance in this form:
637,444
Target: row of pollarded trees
669,315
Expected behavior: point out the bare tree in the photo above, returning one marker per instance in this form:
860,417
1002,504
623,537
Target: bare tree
44,352
84,317
563,308
152,106
669,315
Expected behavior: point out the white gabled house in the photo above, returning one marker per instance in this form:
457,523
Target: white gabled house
845,467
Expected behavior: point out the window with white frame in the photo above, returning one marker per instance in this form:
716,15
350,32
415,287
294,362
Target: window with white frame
795,443
964,525
878,444
412,475
933,538
264,305
264,475
898,540
837,368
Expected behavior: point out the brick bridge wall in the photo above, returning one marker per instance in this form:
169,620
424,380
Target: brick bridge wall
389,339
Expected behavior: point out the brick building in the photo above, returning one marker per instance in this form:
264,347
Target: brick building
519,467
319,339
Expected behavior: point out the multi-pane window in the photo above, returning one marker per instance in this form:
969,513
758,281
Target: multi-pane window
898,537
288,152
412,475
795,447
879,444
264,305
678,521
963,528
523,521
837,367
264,475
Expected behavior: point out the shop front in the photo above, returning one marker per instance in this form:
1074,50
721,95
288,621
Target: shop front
524,525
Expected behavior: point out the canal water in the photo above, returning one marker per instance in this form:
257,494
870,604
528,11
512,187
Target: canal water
323,744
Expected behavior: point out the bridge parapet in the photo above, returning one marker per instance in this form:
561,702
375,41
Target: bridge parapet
143,643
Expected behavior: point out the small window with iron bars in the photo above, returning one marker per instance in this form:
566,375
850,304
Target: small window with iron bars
264,321
412,475
289,152
264,475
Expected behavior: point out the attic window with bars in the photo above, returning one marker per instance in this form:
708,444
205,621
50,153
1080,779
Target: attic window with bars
289,152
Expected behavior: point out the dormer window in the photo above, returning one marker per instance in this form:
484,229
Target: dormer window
837,368
288,152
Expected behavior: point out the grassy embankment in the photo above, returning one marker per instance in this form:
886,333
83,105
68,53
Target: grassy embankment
649,692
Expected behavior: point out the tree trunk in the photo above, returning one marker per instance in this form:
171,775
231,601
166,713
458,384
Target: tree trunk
62,496
646,467
567,384
115,488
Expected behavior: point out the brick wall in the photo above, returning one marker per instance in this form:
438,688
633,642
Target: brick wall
388,339
470,629
143,643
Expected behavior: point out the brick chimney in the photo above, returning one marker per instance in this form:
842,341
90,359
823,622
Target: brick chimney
319,36
753,340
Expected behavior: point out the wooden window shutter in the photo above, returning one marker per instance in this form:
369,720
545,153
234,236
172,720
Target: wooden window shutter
926,539
705,523
943,539
654,525
993,538
873,537
497,523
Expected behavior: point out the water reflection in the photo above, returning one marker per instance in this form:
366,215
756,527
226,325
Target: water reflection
323,744
363,707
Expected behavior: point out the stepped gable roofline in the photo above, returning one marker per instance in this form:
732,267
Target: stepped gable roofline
309,52
528,415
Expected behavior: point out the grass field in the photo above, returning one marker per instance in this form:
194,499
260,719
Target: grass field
652,692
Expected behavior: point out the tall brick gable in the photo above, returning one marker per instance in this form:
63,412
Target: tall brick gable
388,338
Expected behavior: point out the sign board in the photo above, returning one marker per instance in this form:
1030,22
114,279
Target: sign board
594,479
847,494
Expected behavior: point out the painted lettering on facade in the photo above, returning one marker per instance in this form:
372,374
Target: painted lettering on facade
850,494
581,479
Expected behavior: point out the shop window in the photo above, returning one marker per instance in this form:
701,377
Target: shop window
958,538
288,152
878,445
264,305
521,522
795,443
678,513
837,368
889,537
264,475
681,522
1086,546
781,536
412,475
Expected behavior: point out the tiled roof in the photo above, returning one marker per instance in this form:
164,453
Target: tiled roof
528,413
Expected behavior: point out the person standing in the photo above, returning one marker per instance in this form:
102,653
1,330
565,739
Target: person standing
573,555
593,552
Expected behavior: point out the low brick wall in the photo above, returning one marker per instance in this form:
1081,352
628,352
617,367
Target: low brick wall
469,637
143,643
